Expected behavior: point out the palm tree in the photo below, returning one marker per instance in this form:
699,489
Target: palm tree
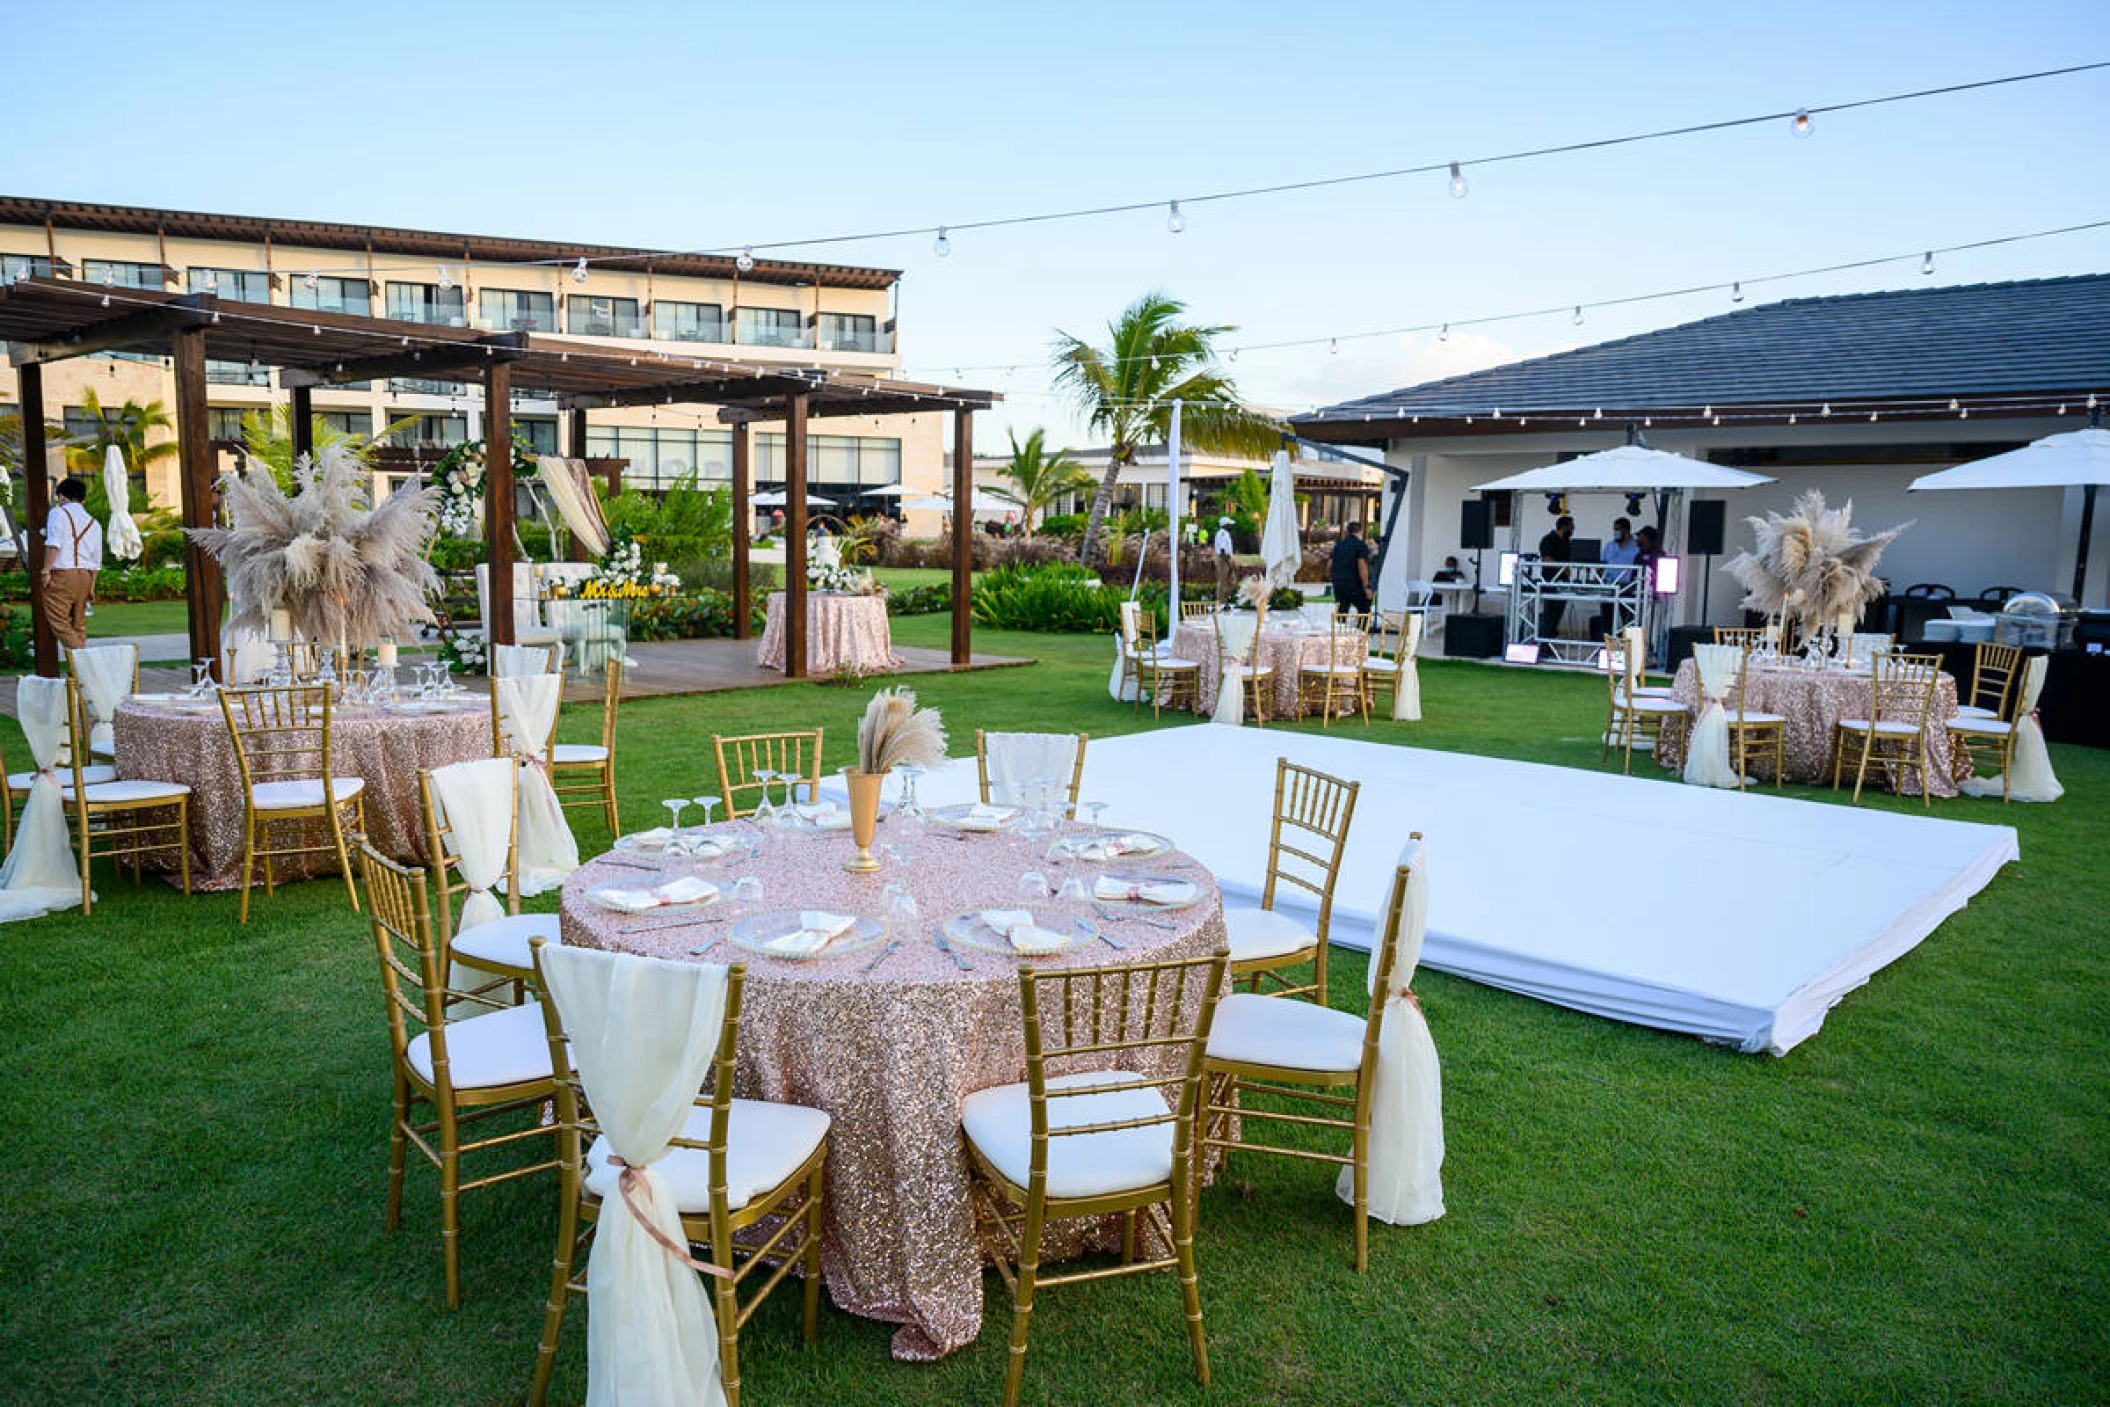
1037,478
1125,390
126,427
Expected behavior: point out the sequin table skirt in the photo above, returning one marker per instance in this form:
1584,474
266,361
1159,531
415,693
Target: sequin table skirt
841,629
1284,651
1813,702
163,743
890,1055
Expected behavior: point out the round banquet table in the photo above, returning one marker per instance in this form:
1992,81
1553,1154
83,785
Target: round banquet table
842,628
890,1053
1813,702
1281,647
171,742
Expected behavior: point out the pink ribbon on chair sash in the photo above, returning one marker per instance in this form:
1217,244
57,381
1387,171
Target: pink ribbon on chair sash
630,1182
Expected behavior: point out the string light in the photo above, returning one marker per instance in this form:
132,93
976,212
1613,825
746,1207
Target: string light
311,279
1736,292
1927,263
942,245
1445,334
1577,318
578,273
212,282
746,262
445,282
1800,124
1459,185
1175,222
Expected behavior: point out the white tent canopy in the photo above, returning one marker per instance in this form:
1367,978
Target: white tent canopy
2074,459
1627,468
980,503
774,498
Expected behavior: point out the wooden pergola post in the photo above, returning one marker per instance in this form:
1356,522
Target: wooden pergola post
194,455
303,417
498,497
962,534
743,527
795,535
36,477
575,435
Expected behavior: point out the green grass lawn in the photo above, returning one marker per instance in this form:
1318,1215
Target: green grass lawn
1908,1208
119,620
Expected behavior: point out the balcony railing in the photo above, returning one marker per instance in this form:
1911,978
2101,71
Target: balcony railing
706,331
617,325
856,340
773,335
519,322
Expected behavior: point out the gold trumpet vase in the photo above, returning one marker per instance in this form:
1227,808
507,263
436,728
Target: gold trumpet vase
864,817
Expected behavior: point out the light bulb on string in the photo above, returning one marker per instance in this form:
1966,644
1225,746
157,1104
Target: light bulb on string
1459,185
942,245
311,279
212,282
578,272
1801,123
1736,292
1175,222
746,259
1577,319
106,303
445,282
1444,334
1927,262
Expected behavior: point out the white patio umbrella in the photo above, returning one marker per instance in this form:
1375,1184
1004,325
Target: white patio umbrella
775,498
980,503
2076,459
1635,467
1280,546
123,537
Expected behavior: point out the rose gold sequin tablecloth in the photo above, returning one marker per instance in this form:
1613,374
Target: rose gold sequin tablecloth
891,1055
165,743
841,629
1285,651
1813,702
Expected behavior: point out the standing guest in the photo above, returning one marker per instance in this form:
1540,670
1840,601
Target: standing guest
1553,548
1351,571
1224,548
1649,545
1620,550
73,554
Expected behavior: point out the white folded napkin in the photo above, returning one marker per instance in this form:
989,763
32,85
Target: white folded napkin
1025,935
1143,891
686,890
817,929
652,839
814,810
985,818
831,820
1112,847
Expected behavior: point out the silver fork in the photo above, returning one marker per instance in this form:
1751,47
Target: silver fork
1092,930
1133,918
884,953
945,946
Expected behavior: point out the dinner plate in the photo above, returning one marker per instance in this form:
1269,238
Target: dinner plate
682,846
973,930
1077,846
754,934
955,816
594,895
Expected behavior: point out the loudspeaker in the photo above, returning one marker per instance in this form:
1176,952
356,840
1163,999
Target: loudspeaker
1472,637
1704,527
1476,524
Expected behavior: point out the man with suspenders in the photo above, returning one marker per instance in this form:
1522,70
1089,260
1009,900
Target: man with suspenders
73,553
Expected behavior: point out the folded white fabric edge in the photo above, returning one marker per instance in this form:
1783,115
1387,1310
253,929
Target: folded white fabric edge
1108,887
817,929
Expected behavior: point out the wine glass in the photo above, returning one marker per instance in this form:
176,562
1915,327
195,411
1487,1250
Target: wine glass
908,811
1033,886
710,808
675,806
1092,811
902,913
765,810
201,678
1074,892
748,892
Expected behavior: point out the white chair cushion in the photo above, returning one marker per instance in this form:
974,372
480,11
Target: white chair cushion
100,772
1654,691
1171,662
1263,933
1752,718
764,1144
1294,1035
1888,727
1981,727
137,789
289,796
1336,669
1378,664
577,753
1644,704
507,1047
999,1123
504,941
1974,711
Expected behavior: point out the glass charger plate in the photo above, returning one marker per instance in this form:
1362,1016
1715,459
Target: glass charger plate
755,934
955,816
1077,846
973,930
1144,906
594,896
685,845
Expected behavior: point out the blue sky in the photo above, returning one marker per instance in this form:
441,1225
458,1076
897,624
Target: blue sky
692,126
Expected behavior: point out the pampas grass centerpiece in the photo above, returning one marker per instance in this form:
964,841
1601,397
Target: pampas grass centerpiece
1809,567
894,731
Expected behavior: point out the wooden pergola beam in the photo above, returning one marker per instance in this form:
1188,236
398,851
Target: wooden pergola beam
207,595
303,417
127,332
498,498
443,363
36,475
963,535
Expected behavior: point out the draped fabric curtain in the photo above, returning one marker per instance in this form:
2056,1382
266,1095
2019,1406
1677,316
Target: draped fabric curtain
105,673
1406,1101
527,711
1406,689
571,491
643,1033
2030,777
41,874
1707,762
1237,631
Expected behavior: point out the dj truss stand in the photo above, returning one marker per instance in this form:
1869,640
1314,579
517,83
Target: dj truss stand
1590,588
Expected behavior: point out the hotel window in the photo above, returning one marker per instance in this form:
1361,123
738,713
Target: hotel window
236,373
688,322
587,316
421,386
863,461
427,303
235,285
80,425
516,310
849,332
769,327
346,422
659,459
121,273
429,431
334,295
21,266
534,435
223,423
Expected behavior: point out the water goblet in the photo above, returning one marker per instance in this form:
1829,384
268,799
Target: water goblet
201,678
1033,886
902,913
675,806
907,810
765,810
710,808
1074,892
896,853
747,891
1092,811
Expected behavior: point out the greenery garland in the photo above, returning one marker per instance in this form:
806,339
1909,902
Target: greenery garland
459,479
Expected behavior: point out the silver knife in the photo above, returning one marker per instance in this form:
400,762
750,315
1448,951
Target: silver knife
1093,931
884,953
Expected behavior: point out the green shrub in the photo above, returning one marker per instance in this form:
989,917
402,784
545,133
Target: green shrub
934,599
17,643
1062,525
1055,597
704,614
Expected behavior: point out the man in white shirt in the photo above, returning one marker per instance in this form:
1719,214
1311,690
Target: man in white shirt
1224,548
73,553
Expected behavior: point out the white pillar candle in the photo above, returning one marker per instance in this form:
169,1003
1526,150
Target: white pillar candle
282,624
386,652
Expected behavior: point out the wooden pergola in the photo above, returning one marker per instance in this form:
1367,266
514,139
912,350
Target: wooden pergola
49,320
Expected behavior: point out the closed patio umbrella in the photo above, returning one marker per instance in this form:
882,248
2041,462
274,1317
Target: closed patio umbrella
123,534
1280,546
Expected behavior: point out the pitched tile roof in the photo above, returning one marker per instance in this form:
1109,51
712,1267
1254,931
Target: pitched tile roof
1971,339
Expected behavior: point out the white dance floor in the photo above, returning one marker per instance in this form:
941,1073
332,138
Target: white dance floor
1740,918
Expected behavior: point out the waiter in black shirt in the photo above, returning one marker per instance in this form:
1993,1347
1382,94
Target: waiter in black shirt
1553,547
1351,571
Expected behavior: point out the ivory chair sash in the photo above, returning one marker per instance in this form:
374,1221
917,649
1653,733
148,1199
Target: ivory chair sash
509,661
41,875
1236,632
2030,777
1124,684
476,806
526,707
1708,761
108,675
1011,762
1399,671
643,1035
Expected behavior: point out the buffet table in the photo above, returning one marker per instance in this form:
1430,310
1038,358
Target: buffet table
1285,647
888,1043
842,629
1813,702
181,740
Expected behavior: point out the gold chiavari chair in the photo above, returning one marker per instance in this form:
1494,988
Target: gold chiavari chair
1742,636
499,947
1753,732
1307,1053
1630,714
1977,733
1892,739
583,774
282,747
1191,611
982,742
129,668
118,820
1304,849
1171,682
1100,1137
739,758
1994,671
745,1175
467,1069
1336,684
1257,679
1381,668
504,745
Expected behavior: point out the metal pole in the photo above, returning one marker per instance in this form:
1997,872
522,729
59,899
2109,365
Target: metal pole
962,535
1172,513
